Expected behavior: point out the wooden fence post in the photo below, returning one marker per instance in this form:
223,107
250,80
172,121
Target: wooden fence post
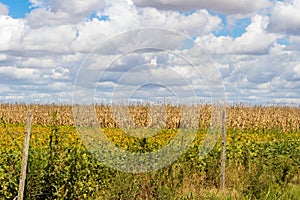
223,154
25,158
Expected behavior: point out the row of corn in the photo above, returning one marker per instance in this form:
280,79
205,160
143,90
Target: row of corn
242,117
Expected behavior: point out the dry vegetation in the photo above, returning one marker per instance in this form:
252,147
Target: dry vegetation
286,119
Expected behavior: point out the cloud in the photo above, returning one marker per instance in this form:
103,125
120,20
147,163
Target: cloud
226,7
3,57
255,40
294,41
3,9
11,32
58,12
55,39
37,3
285,17
38,62
198,23
11,73
296,69
77,8
41,53
57,29
125,17
266,78
60,73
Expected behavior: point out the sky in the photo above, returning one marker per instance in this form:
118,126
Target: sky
59,51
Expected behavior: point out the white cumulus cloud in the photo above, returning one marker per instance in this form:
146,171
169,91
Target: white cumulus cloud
57,12
227,7
255,40
3,9
41,53
12,72
285,17
11,32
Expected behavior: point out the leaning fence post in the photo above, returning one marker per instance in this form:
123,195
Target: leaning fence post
25,158
223,154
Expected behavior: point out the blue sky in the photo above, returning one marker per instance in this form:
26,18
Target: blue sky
234,30
17,8
253,44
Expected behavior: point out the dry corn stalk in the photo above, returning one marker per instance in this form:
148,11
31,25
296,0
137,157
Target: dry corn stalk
170,116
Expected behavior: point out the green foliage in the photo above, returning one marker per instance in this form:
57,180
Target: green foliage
2,122
259,166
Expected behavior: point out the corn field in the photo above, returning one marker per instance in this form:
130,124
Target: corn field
241,117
